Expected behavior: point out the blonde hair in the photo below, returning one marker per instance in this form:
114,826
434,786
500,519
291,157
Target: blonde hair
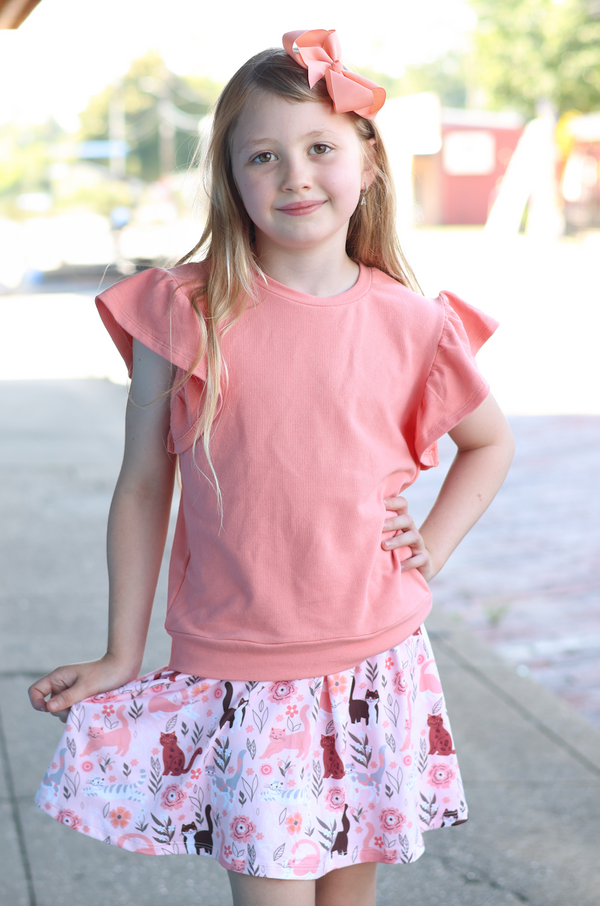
227,242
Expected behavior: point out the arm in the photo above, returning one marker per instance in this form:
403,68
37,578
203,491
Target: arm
485,451
137,530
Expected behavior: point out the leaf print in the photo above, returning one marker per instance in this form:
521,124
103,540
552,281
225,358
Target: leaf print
329,728
251,746
282,816
171,723
250,788
136,710
110,724
317,784
355,854
362,749
422,762
76,715
197,735
73,782
437,707
395,781
393,712
156,781
252,869
279,852
105,810
430,809
390,741
260,717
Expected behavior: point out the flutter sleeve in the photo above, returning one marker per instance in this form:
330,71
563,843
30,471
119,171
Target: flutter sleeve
154,308
454,386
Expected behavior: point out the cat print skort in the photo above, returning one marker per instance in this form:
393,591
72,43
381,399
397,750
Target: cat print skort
283,779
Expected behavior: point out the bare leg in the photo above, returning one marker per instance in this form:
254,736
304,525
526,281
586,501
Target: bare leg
250,891
350,886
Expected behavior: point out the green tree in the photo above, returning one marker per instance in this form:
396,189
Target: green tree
446,76
526,51
146,95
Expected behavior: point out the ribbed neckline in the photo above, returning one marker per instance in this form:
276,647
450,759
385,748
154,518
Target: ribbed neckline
355,292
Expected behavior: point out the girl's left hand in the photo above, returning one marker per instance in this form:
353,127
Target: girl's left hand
408,537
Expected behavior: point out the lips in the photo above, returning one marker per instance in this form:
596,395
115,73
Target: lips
296,208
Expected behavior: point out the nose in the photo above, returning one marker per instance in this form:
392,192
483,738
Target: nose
296,174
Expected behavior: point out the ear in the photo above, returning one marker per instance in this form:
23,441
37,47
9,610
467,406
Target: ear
368,172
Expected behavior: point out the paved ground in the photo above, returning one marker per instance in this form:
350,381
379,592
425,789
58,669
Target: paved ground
531,765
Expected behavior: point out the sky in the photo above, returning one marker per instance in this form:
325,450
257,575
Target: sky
68,50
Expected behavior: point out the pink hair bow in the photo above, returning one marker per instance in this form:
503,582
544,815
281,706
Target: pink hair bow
319,51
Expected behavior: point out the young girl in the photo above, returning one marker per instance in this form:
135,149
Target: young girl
301,382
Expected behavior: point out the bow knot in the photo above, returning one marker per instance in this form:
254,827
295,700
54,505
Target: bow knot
319,52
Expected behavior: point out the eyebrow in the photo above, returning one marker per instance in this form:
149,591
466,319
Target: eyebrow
316,133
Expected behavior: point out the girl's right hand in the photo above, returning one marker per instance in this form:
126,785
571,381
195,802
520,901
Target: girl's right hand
70,684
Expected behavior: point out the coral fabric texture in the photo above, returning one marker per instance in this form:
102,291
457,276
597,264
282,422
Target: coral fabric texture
333,404
285,779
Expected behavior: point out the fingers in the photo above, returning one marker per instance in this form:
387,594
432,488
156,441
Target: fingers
60,686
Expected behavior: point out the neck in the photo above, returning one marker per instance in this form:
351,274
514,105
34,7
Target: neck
316,273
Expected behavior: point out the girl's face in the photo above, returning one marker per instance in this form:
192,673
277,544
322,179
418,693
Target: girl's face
299,169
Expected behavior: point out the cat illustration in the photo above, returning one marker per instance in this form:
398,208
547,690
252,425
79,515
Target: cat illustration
231,715
390,856
363,709
196,840
373,780
428,682
440,741
235,864
55,779
100,739
309,863
238,865
281,740
98,787
160,704
173,757
450,817
333,764
340,844
370,853
276,791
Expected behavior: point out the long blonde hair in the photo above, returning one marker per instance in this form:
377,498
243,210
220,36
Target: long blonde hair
227,242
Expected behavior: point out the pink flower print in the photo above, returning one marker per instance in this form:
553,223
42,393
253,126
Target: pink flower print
440,775
172,797
195,773
68,728
104,697
188,786
95,717
420,659
66,816
71,769
358,829
108,710
388,666
407,760
400,682
134,762
158,687
291,710
242,828
446,800
227,851
279,717
294,823
250,729
371,806
85,829
155,751
205,698
316,753
357,670
374,765
47,806
112,779
190,748
378,841
230,769
87,766
385,724
291,783
281,693
249,772
335,799
266,769
54,765
393,765
409,825
119,817
338,684
391,820
299,698
423,732
362,686
218,693
209,713
260,836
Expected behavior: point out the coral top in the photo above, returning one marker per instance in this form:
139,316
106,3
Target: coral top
333,404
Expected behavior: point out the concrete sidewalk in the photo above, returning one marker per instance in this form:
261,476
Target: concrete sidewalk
531,766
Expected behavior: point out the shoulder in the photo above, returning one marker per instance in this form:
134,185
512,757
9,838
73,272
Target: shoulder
408,306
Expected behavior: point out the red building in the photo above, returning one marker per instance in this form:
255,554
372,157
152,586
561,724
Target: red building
457,184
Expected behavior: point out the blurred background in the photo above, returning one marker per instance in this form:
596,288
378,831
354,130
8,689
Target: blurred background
493,126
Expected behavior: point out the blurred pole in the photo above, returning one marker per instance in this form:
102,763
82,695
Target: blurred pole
544,218
116,129
166,133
